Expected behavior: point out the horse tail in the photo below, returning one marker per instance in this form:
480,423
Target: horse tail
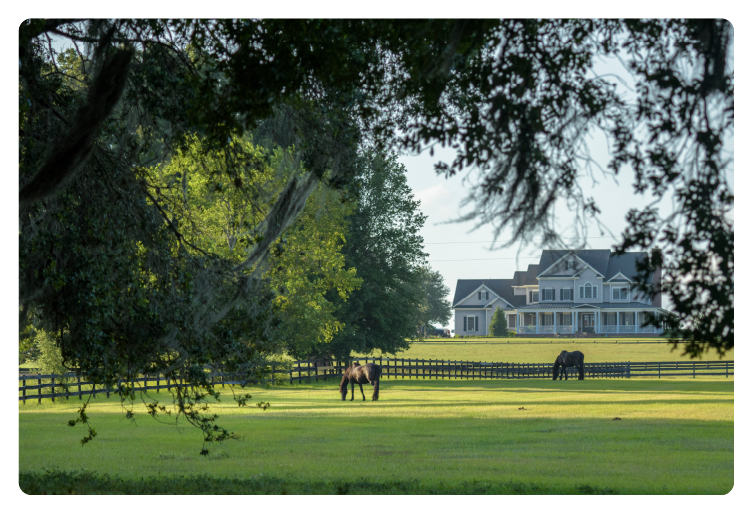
376,380
581,367
555,367
345,381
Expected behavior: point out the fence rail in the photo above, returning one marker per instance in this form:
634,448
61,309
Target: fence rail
317,369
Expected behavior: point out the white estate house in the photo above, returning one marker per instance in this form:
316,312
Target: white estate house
567,292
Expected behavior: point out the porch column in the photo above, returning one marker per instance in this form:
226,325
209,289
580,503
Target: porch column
537,322
554,321
597,321
617,322
518,324
636,322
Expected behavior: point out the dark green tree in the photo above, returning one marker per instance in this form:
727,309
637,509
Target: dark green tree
434,307
386,249
498,325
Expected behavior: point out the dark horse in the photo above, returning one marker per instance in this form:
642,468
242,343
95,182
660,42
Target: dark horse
355,373
567,359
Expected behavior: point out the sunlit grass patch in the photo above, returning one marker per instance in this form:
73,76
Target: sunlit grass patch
675,436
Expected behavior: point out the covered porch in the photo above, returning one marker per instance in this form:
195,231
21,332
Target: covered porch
586,320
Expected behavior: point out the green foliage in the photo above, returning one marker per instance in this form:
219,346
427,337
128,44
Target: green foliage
498,325
384,245
433,307
50,359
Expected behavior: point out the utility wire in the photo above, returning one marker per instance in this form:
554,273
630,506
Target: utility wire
486,259
505,241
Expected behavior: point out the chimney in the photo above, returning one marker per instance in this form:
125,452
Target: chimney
657,277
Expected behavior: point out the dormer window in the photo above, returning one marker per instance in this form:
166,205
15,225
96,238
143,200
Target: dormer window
482,295
620,293
570,265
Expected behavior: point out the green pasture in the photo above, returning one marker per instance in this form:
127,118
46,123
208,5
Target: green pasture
545,351
427,436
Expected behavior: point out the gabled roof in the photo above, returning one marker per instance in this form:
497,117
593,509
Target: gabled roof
501,287
626,265
595,258
526,277
619,278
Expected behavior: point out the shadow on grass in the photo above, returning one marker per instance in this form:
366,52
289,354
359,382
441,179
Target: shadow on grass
84,482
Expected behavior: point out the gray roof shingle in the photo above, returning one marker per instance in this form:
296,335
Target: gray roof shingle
625,264
501,287
598,305
596,258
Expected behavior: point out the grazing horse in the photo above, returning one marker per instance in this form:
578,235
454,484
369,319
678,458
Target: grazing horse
356,373
567,359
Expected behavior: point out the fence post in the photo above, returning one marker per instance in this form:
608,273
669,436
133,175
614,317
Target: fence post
658,369
24,391
78,379
726,369
694,370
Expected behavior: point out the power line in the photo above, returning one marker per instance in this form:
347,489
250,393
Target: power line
505,241
486,259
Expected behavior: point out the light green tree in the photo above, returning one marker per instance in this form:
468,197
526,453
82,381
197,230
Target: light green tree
498,324
219,203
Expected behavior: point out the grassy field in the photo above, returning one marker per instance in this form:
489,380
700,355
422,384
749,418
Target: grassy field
675,436
539,351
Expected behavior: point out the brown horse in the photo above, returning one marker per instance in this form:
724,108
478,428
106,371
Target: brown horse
356,373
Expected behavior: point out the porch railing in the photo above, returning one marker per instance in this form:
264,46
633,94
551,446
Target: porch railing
564,329
608,329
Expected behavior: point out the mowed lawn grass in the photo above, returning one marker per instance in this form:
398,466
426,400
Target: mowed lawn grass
423,436
538,351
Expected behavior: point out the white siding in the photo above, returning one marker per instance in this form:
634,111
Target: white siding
590,276
459,321
557,285
474,301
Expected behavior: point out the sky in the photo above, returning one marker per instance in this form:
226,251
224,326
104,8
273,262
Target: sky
459,251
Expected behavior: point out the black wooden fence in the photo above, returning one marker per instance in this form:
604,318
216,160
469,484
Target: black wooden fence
37,387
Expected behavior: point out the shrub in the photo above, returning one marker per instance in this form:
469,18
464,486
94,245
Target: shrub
498,325
512,334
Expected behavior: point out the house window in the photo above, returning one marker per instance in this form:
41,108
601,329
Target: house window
535,296
570,265
567,294
588,291
548,294
482,295
470,323
620,293
511,321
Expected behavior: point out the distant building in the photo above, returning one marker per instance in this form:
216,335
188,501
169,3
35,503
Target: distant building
567,292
